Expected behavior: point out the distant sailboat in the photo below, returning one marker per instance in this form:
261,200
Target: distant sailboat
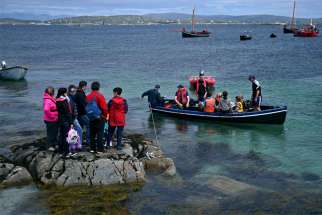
193,33
291,28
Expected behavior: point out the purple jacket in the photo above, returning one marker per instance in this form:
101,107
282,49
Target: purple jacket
50,109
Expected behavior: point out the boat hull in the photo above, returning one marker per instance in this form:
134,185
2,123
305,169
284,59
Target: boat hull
186,34
306,34
288,30
275,115
243,37
15,73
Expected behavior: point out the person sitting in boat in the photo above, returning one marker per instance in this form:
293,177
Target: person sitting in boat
225,104
182,98
218,99
3,64
154,96
201,87
239,104
210,103
256,93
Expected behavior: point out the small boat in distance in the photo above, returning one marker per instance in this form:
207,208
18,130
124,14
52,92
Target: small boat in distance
245,36
307,31
291,28
14,73
193,33
272,35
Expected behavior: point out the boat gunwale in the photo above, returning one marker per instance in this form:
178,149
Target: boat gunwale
13,67
276,110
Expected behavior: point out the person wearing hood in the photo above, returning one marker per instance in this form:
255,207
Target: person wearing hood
50,117
117,109
65,119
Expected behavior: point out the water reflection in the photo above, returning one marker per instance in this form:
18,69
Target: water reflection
14,86
254,132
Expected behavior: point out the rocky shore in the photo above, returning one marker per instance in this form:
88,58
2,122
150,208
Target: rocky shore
31,162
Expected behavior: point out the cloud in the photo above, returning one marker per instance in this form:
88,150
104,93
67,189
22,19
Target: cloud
305,8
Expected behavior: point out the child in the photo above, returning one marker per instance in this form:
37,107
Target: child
74,143
239,104
224,104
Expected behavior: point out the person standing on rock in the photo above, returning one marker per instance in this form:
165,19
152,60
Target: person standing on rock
71,97
97,113
65,119
50,117
80,100
117,109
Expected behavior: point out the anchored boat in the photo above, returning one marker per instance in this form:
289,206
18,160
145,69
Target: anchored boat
193,33
267,115
291,28
245,37
307,31
15,73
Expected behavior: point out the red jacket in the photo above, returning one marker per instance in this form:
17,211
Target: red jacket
101,101
117,109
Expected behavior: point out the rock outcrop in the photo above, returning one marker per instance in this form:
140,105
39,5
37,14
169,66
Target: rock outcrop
111,167
11,175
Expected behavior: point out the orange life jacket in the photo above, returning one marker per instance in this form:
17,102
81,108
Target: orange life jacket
182,96
210,105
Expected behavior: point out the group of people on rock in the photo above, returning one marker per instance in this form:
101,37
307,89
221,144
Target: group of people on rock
206,102
74,110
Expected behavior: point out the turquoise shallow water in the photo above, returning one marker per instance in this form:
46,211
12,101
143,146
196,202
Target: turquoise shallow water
137,57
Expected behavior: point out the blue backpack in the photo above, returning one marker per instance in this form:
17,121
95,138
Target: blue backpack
93,111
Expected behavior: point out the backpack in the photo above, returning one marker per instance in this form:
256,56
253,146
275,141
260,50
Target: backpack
72,137
93,111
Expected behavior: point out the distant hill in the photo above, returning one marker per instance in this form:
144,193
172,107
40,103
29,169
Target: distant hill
28,16
250,19
99,20
9,21
163,18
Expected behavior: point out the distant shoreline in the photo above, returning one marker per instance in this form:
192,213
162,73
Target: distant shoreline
147,24
160,19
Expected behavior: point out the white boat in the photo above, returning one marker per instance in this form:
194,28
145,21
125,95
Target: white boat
13,73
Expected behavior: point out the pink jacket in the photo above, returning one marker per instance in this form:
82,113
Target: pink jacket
50,109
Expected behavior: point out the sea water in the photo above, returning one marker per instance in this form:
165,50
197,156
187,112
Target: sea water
138,57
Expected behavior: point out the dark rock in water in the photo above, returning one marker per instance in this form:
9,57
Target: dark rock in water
307,176
85,168
18,176
11,175
165,165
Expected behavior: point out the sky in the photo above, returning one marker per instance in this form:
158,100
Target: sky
305,8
